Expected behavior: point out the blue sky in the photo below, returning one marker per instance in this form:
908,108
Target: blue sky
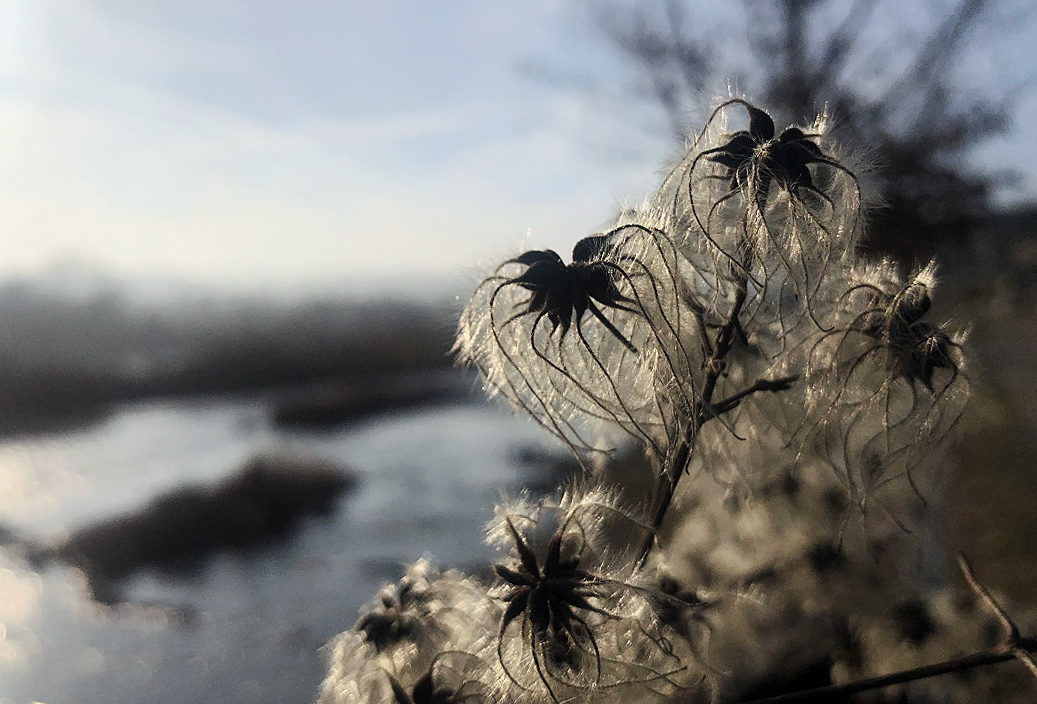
272,143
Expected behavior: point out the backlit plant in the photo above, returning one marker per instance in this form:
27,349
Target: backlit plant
791,401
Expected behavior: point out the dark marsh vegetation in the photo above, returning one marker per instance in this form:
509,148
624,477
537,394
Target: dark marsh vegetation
68,360
262,503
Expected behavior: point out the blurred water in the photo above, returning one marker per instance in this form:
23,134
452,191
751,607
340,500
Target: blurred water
253,625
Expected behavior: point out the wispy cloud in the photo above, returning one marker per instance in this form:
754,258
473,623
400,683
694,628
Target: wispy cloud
274,141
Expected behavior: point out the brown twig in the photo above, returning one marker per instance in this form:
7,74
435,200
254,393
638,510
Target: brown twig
705,409
715,365
967,662
1013,646
732,401
1013,641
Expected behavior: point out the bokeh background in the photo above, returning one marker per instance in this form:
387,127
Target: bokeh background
236,237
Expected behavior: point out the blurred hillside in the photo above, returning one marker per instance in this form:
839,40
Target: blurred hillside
73,347
67,357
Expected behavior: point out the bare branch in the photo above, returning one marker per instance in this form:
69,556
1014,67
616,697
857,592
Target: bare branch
731,402
962,664
1014,646
1014,643
675,469
917,118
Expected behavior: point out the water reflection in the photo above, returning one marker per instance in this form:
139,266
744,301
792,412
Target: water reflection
247,626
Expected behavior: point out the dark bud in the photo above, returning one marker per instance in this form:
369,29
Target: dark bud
591,249
423,689
912,304
914,622
824,557
536,256
761,126
399,694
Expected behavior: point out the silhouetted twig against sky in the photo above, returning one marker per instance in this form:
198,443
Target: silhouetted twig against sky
903,94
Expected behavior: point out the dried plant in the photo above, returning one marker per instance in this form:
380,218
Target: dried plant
792,401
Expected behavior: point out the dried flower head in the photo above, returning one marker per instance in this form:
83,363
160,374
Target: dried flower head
585,347
777,208
887,385
452,678
571,621
913,348
406,633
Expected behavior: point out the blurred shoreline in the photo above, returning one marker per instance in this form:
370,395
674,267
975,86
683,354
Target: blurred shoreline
67,361
263,502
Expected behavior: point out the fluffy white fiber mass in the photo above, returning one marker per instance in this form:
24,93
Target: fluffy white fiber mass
791,403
